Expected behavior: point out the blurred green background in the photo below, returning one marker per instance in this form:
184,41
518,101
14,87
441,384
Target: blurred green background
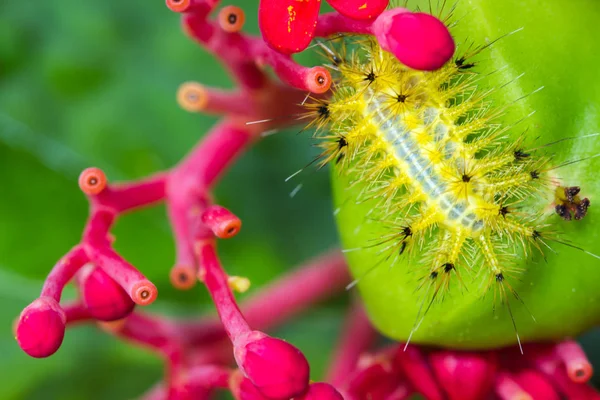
92,83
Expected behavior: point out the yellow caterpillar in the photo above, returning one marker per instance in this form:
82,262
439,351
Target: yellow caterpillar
439,171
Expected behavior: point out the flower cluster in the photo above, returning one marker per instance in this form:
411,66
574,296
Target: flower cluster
199,354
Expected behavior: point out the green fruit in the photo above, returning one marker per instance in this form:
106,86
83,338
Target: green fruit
557,50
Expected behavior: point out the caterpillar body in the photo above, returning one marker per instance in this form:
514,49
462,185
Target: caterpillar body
462,202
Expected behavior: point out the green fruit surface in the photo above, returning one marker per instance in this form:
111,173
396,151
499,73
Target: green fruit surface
559,49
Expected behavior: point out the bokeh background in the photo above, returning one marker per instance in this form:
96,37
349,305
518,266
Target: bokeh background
92,83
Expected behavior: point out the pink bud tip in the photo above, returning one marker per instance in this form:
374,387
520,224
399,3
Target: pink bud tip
288,26
231,19
359,9
179,5
464,375
321,391
92,181
420,41
104,298
41,327
183,277
579,369
580,372
275,367
143,292
318,80
222,222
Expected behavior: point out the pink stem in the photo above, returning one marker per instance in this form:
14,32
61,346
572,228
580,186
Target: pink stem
228,47
226,102
335,23
416,369
555,372
76,312
152,332
357,336
207,161
320,279
241,54
210,376
63,272
216,283
127,196
578,366
140,289
98,225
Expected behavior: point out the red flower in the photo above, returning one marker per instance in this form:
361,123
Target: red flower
289,25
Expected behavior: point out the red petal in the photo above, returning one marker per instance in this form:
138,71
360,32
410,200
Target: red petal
359,9
288,26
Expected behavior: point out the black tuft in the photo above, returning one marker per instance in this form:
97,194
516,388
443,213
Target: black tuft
402,248
401,98
433,275
536,234
466,178
504,211
342,142
534,174
323,111
520,155
461,65
406,231
370,77
448,267
499,278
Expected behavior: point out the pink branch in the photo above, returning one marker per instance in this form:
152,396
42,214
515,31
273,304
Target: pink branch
216,282
357,335
140,289
127,196
63,272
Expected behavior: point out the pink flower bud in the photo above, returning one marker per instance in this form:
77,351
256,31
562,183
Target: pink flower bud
41,327
321,391
275,367
359,9
247,391
104,298
464,375
418,40
288,26
374,381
